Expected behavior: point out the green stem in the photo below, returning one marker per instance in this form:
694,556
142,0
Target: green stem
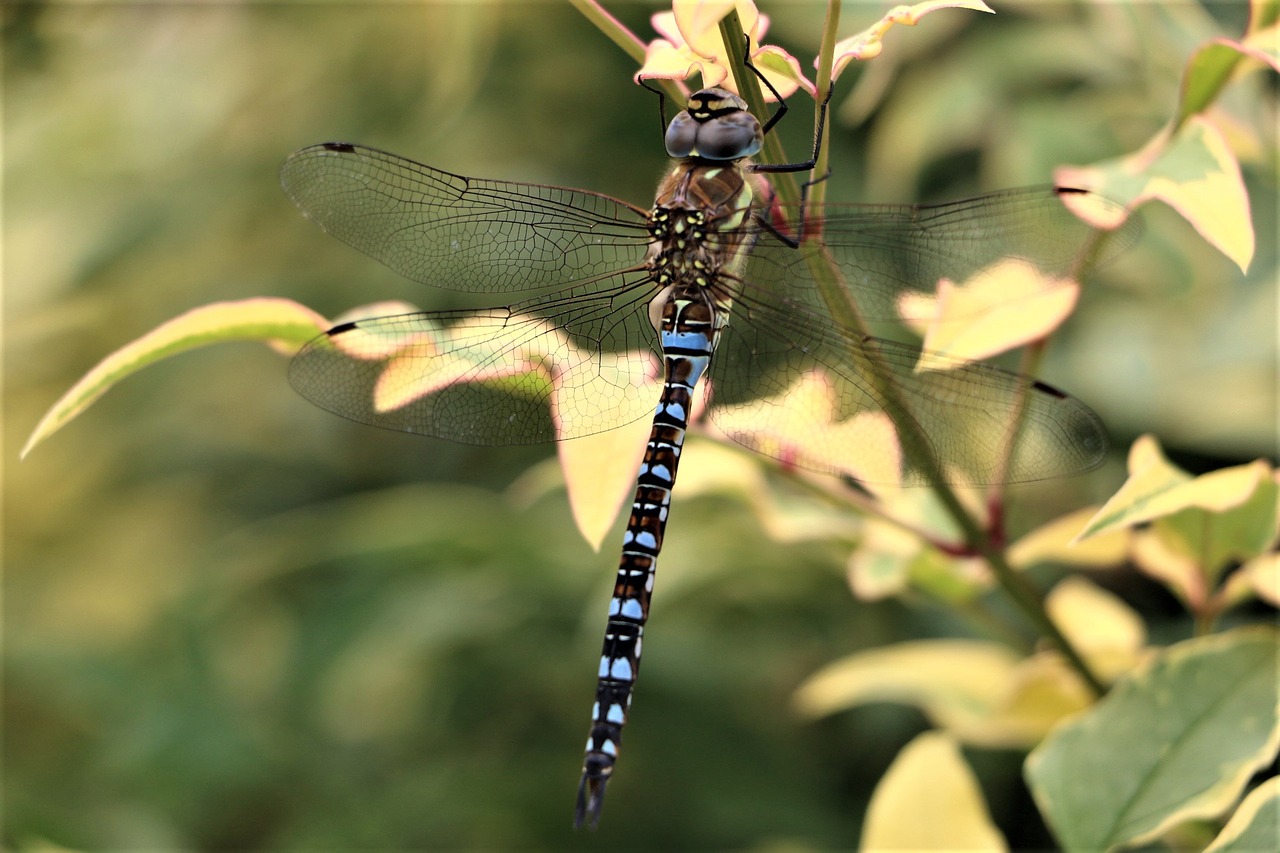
784,183
612,27
630,43
839,302
823,83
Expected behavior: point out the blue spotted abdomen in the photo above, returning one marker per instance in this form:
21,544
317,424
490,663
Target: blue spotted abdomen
689,329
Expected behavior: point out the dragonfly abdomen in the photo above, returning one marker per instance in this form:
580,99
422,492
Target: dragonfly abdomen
689,329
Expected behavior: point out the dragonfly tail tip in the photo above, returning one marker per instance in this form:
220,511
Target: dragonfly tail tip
590,802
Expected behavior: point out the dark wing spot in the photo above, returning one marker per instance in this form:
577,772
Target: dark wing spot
1049,389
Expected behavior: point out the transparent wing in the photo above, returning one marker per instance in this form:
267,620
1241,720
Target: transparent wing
460,233
519,375
791,384
886,252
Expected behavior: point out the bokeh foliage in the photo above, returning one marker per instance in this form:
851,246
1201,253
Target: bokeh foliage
233,621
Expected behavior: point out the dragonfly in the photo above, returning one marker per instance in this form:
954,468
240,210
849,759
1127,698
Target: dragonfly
613,312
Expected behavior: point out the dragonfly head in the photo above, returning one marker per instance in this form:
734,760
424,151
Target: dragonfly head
715,126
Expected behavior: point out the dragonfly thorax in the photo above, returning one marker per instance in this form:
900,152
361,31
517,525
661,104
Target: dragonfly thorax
715,126
681,252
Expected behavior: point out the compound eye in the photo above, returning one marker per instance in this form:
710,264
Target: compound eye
729,137
682,135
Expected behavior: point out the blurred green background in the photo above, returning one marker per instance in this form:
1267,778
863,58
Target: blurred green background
233,621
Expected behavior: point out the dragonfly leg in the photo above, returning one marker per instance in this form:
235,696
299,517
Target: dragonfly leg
662,106
803,165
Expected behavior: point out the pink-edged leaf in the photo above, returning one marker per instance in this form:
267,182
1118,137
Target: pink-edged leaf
1055,542
699,23
599,474
1192,170
666,61
600,469
1006,306
868,43
1156,489
281,323
1215,63
808,427
930,799
691,42
782,70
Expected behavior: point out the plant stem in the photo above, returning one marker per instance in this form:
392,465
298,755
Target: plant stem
839,302
611,27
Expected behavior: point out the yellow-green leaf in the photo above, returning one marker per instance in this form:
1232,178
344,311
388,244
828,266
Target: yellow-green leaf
1157,488
1255,826
599,473
1156,556
1198,526
1057,542
878,567
281,323
979,692
1263,15
1100,625
1006,306
1043,690
929,800
1192,170
868,43
720,467
1259,577
1176,741
1213,65
803,425
1216,537
956,682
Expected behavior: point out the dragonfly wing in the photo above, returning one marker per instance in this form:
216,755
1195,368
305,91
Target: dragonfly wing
888,252
790,384
502,376
459,233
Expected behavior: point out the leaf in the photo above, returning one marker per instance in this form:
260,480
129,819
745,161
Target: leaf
1192,170
1214,64
1178,571
998,309
599,473
1231,534
281,323
1201,525
893,556
1056,542
1259,577
980,692
782,70
929,799
1176,741
721,467
1255,825
1263,15
879,567
869,43
951,680
1156,488
1100,625
808,430
1043,691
